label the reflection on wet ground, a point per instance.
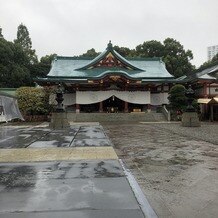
(53, 189)
(36, 137)
(66, 186)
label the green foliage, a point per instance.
(18, 62)
(13, 65)
(42, 68)
(34, 101)
(177, 60)
(210, 63)
(125, 52)
(177, 98)
(91, 53)
(150, 49)
(1, 35)
(24, 40)
(48, 59)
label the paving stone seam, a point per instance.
(70, 145)
(43, 135)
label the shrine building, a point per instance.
(110, 83)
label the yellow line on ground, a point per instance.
(55, 154)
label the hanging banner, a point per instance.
(159, 98)
(91, 97)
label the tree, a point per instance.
(47, 59)
(1, 36)
(151, 49)
(177, 60)
(42, 68)
(210, 63)
(177, 98)
(91, 53)
(125, 52)
(14, 70)
(24, 40)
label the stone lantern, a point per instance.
(59, 98)
(59, 117)
(190, 96)
(190, 117)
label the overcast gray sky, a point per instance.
(71, 27)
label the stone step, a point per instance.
(115, 117)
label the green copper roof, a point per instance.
(72, 68)
(207, 73)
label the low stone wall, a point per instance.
(110, 117)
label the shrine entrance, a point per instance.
(113, 105)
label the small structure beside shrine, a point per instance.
(205, 84)
(9, 108)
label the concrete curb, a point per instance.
(142, 200)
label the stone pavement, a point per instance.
(72, 173)
(176, 167)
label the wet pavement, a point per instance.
(82, 179)
(47, 188)
(36, 137)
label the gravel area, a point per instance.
(175, 166)
(207, 132)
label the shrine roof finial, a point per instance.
(109, 45)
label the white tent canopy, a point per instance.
(10, 108)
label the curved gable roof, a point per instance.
(109, 51)
(76, 68)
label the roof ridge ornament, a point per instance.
(109, 45)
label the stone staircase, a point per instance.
(116, 117)
(158, 117)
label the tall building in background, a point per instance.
(212, 51)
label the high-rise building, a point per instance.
(212, 51)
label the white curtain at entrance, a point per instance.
(159, 98)
(91, 97)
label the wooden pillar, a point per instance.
(211, 113)
(149, 105)
(101, 102)
(205, 90)
(126, 105)
(77, 108)
(101, 106)
(77, 105)
(126, 108)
